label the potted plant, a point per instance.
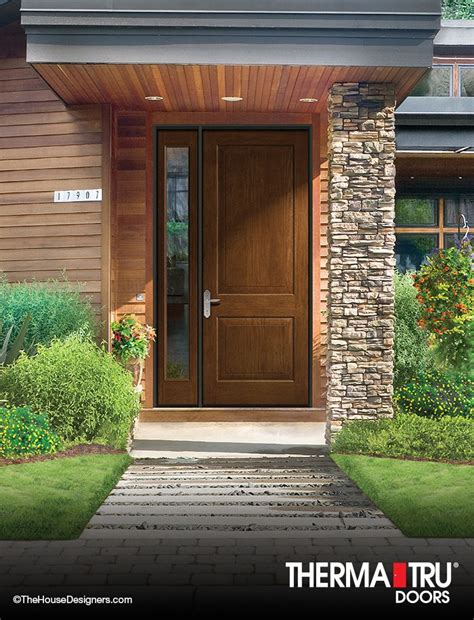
(131, 343)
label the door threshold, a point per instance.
(233, 414)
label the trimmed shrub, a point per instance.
(23, 433)
(57, 309)
(435, 395)
(87, 395)
(448, 438)
(411, 343)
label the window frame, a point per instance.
(441, 229)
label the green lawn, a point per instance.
(421, 498)
(55, 499)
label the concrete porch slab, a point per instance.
(226, 439)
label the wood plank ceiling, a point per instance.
(200, 88)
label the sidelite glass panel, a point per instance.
(416, 212)
(453, 209)
(466, 79)
(436, 83)
(177, 262)
(411, 250)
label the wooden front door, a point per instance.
(255, 262)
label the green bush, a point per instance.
(23, 433)
(57, 310)
(435, 395)
(86, 393)
(445, 286)
(411, 343)
(448, 438)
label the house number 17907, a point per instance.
(78, 195)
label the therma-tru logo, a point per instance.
(413, 582)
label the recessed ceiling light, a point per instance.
(412, 177)
(308, 100)
(232, 99)
(459, 177)
(154, 98)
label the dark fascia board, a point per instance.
(414, 15)
(62, 8)
(450, 139)
(351, 33)
(455, 38)
(238, 48)
(438, 110)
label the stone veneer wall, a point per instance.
(361, 152)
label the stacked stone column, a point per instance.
(361, 151)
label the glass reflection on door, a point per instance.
(177, 262)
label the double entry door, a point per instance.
(232, 268)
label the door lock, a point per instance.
(208, 302)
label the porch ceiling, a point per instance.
(200, 88)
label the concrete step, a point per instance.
(227, 439)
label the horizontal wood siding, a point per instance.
(46, 146)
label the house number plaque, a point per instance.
(78, 195)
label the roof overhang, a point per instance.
(436, 125)
(455, 38)
(347, 35)
(457, 140)
(351, 33)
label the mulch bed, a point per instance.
(80, 450)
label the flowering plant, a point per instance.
(131, 339)
(445, 290)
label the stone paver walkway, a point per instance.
(248, 497)
(191, 526)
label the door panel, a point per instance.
(256, 219)
(255, 261)
(243, 350)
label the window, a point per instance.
(466, 81)
(436, 83)
(412, 249)
(424, 224)
(455, 208)
(177, 263)
(416, 212)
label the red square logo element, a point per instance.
(399, 574)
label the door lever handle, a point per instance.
(208, 302)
